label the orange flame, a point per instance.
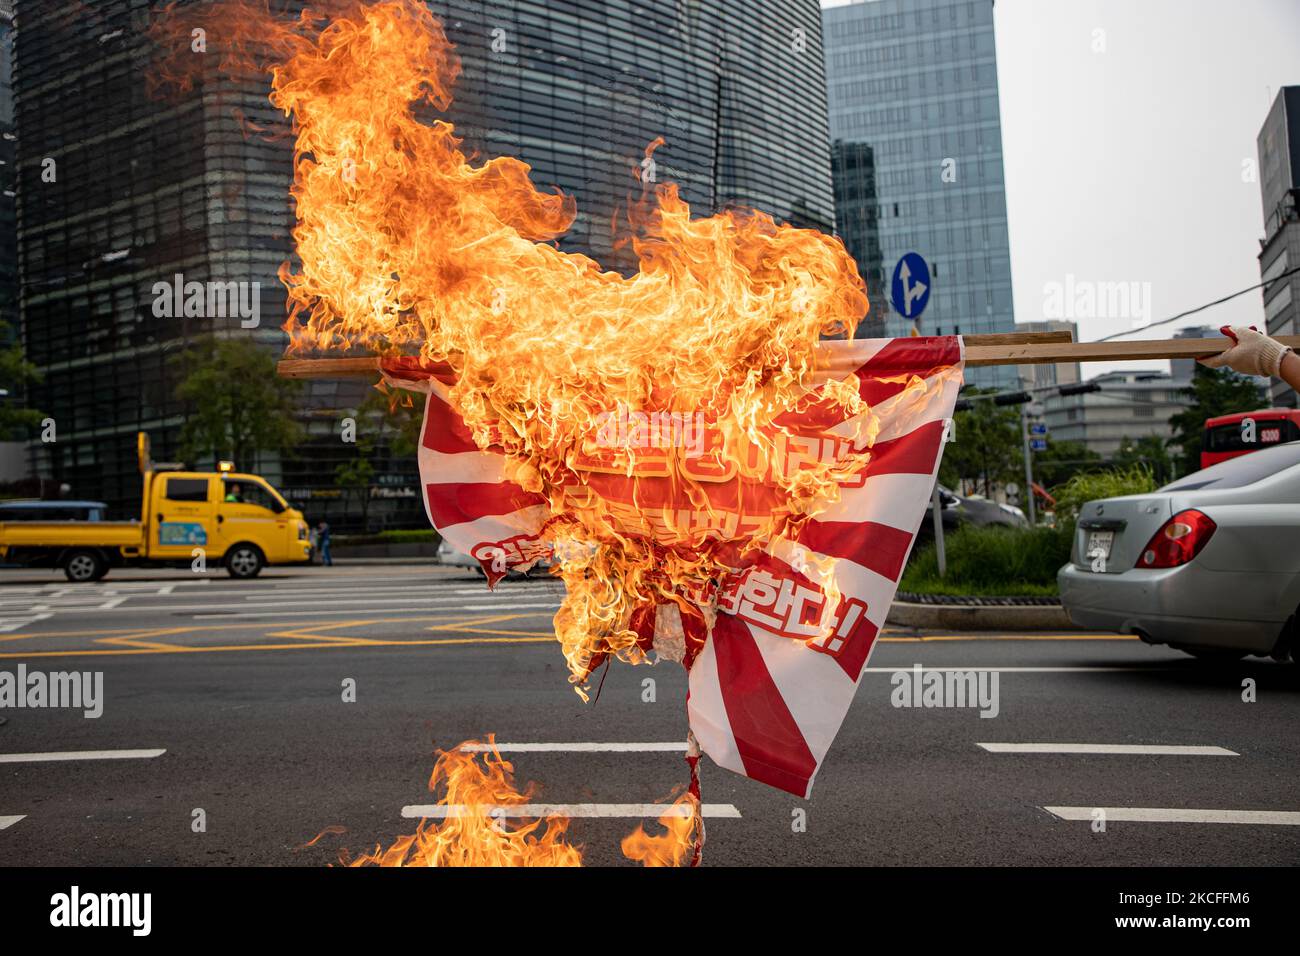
(405, 245)
(476, 832)
(683, 825)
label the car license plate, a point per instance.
(1099, 543)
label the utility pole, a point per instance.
(937, 507)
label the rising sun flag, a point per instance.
(670, 444)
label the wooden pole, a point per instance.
(1015, 348)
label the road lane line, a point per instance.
(10, 624)
(536, 810)
(81, 755)
(7, 822)
(1175, 750)
(1289, 818)
(424, 609)
(658, 746)
(1104, 669)
(451, 603)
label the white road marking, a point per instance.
(908, 668)
(504, 606)
(10, 624)
(1167, 815)
(6, 822)
(325, 598)
(380, 611)
(658, 746)
(538, 588)
(572, 810)
(80, 755)
(1192, 750)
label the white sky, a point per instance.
(1126, 165)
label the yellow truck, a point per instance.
(186, 518)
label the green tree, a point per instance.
(986, 446)
(393, 420)
(239, 406)
(387, 421)
(1062, 461)
(1213, 392)
(355, 476)
(1151, 451)
(16, 373)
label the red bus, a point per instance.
(1229, 436)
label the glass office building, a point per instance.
(8, 184)
(146, 188)
(913, 96)
(1279, 250)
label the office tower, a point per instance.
(917, 147)
(121, 190)
(1279, 186)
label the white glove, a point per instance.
(1253, 354)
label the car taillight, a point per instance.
(1180, 539)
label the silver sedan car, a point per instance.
(1209, 564)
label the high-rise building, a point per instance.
(1279, 186)
(917, 146)
(1060, 373)
(1128, 406)
(8, 184)
(120, 191)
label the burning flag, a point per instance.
(711, 488)
(776, 643)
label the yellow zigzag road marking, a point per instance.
(308, 636)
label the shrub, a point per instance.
(1111, 483)
(991, 561)
(1013, 561)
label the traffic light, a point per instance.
(1079, 389)
(1013, 398)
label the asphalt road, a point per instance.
(239, 684)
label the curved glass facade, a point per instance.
(149, 188)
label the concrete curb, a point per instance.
(966, 617)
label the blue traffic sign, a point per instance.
(909, 290)
(1038, 444)
(1037, 428)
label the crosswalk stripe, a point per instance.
(1151, 749)
(7, 822)
(572, 810)
(67, 755)
(658, 746)
(1177, 815)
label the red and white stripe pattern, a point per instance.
(771, 681)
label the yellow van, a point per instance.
(186, 517)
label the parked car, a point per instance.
(450, 556)
(958, 510)
(1209, 564)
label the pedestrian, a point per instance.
(323, 536)
(1254, 353)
